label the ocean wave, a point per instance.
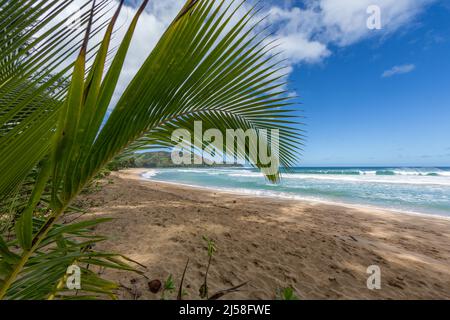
(246, 174)
(404, 191)
(415, 172)
(335, 172)
(432, 172)
(384, 176)
(368, 178)
(314, 199)
(394, 179)
(421, 172)
(149, 174)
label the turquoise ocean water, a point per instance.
(416, 190)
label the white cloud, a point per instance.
(395, 70)
(309, 33)
(306, 35)
(300, 49)
(152, 24)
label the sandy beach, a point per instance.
(320, 250)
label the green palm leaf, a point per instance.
(35, 60)
(207, 66)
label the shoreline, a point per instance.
(140, 172)
(322, 251)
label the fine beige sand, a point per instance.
(320, 250)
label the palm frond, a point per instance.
(207, 66)
(35, 63)
(44, 275)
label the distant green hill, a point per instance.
(162, 159)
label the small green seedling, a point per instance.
(211, 248)
(168, 288)
(288, 294)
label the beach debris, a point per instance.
(222, 293)
(168, 287)
(180, 291)
(203, 291)
(133, 291)
(136, 293)
(154, 286)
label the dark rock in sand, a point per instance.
(154, 286)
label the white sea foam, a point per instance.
(149, 174)
(370, 177)
(407, 192)
(415, 180)
(288, 196)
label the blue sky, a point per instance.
(370, 97)
(357, 117)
